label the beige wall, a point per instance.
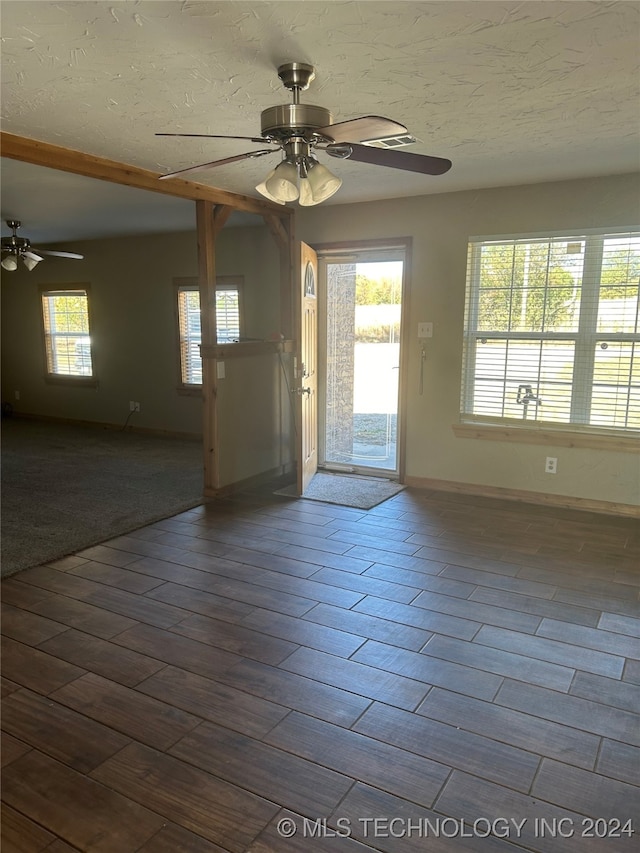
(440, 226)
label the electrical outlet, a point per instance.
(551, 465)
(136, 407)
(16, 395)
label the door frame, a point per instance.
(306, 366)
(327, 251)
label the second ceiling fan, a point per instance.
(299, 130)
(14, 248)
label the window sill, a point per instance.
(71, 381)
(545, 435)
(190, 390)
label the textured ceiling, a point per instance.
(511, 92)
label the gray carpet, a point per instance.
(347, 490)
(67, 487)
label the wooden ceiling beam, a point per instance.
(91, 166)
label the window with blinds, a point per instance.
(189, 322)
(551, 331)
(190, 336)
(67, 340)
(227, 314)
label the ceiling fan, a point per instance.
(15, 247)
(299, 130)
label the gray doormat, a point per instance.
(346, 490)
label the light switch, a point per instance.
(425, 330)
(220, 369)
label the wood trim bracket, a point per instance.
(278, 230)
(221, 212)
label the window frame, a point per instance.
(50, 376)
(585, 338)
(190, 284)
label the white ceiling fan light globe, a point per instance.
(30, 263)
(306, 194)
(9, 263)
(262, 189)
(283, 183)
(323, 183)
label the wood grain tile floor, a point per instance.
(263, 675)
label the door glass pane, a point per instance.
(363, 360)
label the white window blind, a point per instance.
(227, 314)
(190, 329)
(66, 332)
(551, 331)
(190, 336)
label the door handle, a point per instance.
(302, 391)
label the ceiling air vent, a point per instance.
(391, 141)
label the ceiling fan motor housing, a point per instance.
(15, 245)
(288, 120)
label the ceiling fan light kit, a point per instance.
(15, 247)
(303, 179)
(298, 130)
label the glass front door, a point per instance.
(361, 389)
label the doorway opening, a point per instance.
(359, 421)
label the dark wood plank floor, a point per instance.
(439, 673)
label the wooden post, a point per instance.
(282, 232)
(281, 229)
(207, 282)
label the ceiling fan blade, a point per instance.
(362, 129)
(215, 136)
(390, 157)
(57, 254)
(32, 255)
(233, 159)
